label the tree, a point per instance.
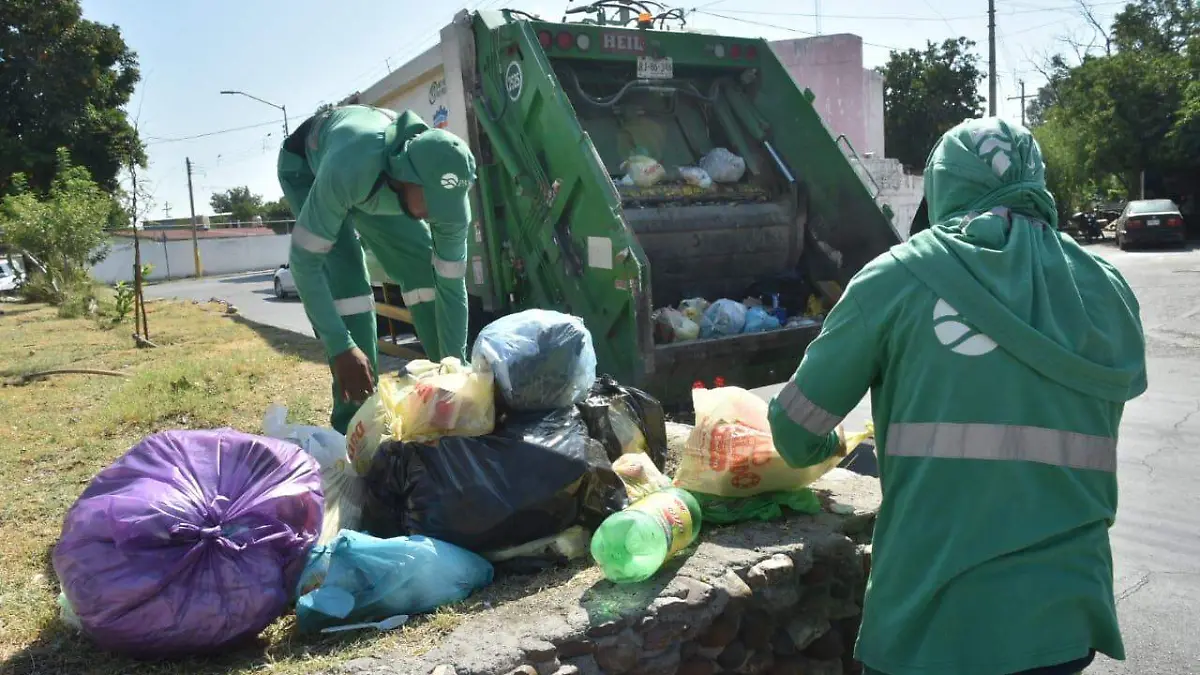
(926, 93)
(277, 210)
(61, 233)
(63, 81)
(240, 202)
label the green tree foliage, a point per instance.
(927, 92)
(63, 82)
(62, 232)
(1134, 108)
(240, 202)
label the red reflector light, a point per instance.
(719, 382)
(697, 385)
(736, 51)
(564, 40)
(545, 39)
(751, 52)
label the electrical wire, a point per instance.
(787, 28)
(152, 140)
(877, 17)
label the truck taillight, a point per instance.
(545, 39)
(564, 40)
(735, 51)
(751, 52)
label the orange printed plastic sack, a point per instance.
(730, 453)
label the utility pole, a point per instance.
(192, 205)
(167, 210)
(992, 58)
(1022, 98)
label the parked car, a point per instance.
(284, 284)
(9, 279)
(1150, 221)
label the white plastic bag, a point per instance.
(644, 171)
(670, 325)
(723, 166)
(723, 317)
(345, 491)
(730, 452)
(694, 175)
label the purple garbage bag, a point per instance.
(191, 541)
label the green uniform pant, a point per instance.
(405, 253)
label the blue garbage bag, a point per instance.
(723, 317)
(759, 320)
(359, 578)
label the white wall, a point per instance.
(899, 190)
(873, 100)
(174, 259)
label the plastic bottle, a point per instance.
(631, 545)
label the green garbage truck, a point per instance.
(554, 112)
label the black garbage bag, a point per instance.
(535, 476)
(620, 417)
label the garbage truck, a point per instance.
(555, 110)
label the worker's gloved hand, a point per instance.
(353, 371)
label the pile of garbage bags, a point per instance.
(717, 166)
(697, 318)
(197, 540)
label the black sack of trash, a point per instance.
(535, 476)
(625, 419)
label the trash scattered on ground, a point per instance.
(344, 490)
(542, 554)
(640, 476)
(730, 453)
(185, 527)
(542, 360)
(694, 175)
(358, 578)
(390, 623)
(723, 166)
(723, 317)
(511, 487)
(670, 325)
(626, 420)
(765, 507)
(632, 545)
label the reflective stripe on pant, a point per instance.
(405, 255)
(346, 274)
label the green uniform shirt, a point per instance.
(350, 150)
(999, 356)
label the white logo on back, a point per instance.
(450, 181)
(953, 332)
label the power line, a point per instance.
(787, 28)
(897, 17)
(156, 141)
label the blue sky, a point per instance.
(301, 53)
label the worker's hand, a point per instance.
(353, 371)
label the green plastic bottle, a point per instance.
(631, 545)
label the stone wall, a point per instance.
(777, 598)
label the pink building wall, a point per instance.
(848, 97)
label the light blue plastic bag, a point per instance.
(759, 320)
(357, 578)
(723, 317)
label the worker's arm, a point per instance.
(450, 286)
(316, 231)
(834, 375)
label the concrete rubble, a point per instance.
(776, 598)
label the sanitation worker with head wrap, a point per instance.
(999, 356)
(359, 176)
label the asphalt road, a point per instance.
(1157, 535)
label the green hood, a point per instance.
(994, 254)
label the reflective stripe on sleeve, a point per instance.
(449, 270)
(812, 417)
(1003, 442)
(309, 241)
(418, 295)
(356, 305)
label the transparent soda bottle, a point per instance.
(631, 545)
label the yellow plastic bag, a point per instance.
(373, 423)
(448, 399)
(639, 475)
(730, 453)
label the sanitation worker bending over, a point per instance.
(361, 176)
(999, 356)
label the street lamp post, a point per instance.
(281, 108)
